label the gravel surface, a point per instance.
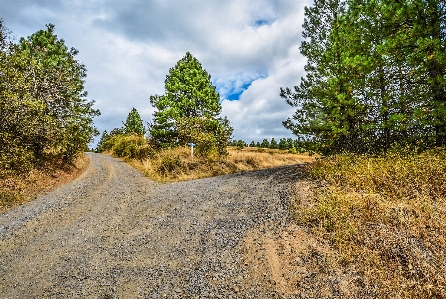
(113, 233)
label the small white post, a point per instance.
(192, 149)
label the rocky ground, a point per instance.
(113, 233)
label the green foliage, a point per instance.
(42, 101)
(273, 144)
(252, 144)
(170, 165)
(292, 150)
(265, 143)
(108, 140)
(283, 144)
(130, 146)
(101, 144)
(189, 94)
(211, 135)
(134, 124)
(240, 144)
(376, 75)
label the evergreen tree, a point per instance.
(108, 140)
(134, 123)
(57, 83)
(101, 144)
(240, 144)
(325, 108)
(283, 144)
(189, 94)
(273, 144)
(428, 40)
(252, 144)
(290, 143)
(375, 76)
(42, 99)
(265, 143)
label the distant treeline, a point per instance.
(375, 76)
(44, 111)
(295, 145)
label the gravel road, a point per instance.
(113, 233)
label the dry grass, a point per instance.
(385, 218)
(16, 190)
(178, 165)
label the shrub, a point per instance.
(292, 150)
(170, 164)
(210, 135)
(130, 146)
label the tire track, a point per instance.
(113, 233)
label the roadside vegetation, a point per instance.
(46, 119)
(187, 114)
(177, 164)
(373, 102)
(21, 188)
(384, 218)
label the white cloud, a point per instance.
(129, 46)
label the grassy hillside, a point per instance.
(20, 188)
(385, 220)
(177, 164)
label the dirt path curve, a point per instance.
(113, 233)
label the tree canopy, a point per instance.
(190, 103)
(134, 123)
(42, 100)
(375, 76)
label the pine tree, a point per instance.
(326, 110)
(265, 143)
(376, 75)
(134, 124)
(43, 104)
(283, 144)
(273, 144)
(189, 94)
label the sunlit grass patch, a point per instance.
(385, 216)
(20, 188)
(177, 164)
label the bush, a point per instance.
(210, 135)
(130, 146)
(292, 150)
(14, 158)
(170, 165)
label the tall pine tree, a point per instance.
(376, 75)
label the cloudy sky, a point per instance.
(249, 47)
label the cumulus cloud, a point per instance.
(250, 48)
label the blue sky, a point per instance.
(249, 47)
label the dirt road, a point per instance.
(113, 233)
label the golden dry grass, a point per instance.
(18, 189)
(178, 165)
(385, 218)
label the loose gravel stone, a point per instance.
(113, 233)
